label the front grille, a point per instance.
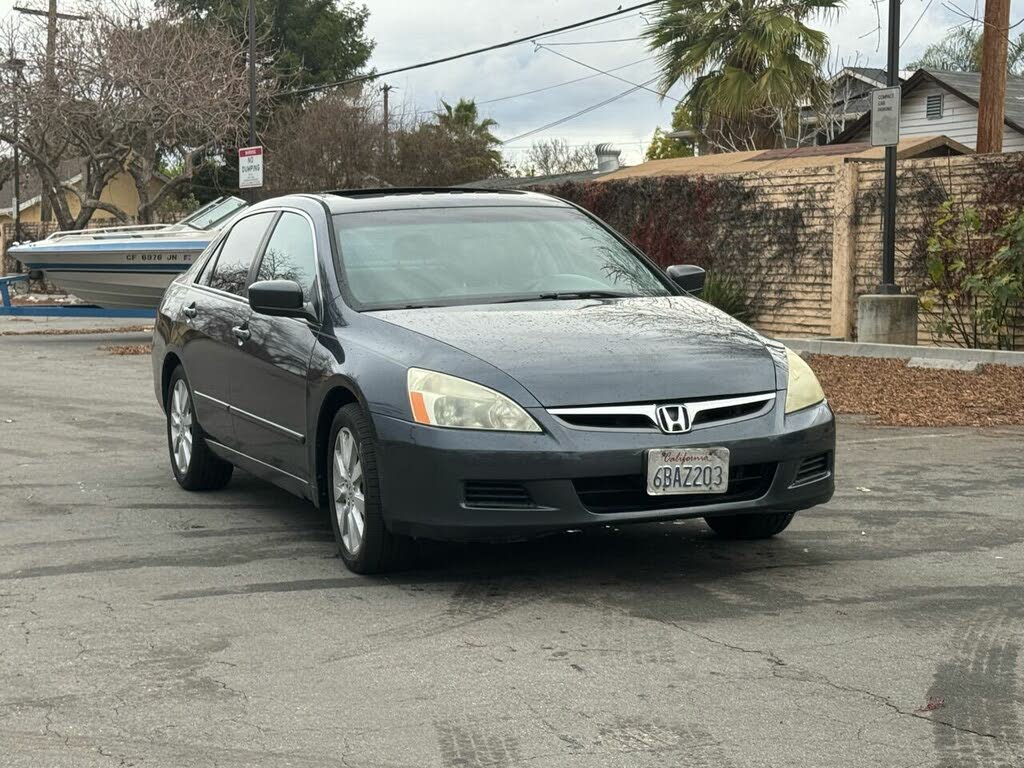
(813, 469)
(713, 415)
(630, 421)
(643, 417)
(628, 493)
(488, 494)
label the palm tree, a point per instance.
(464, 120)
(753, 63)
(960, 51)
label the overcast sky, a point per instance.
(409, 31)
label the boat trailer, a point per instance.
(7, 308)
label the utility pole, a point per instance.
(386, 90)
(50, 66)
(16, 65)
(992, 99)
(888, 284)
(52, 17)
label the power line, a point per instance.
(600, 42)
(663, 95)
(496, 46)
(567, 82)
(545, 88)
(914, 26)
(581, 112)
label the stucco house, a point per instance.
(936, 103)
(120, 191)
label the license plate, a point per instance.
(672, 471)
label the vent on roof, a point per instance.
(933, 107)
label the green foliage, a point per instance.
(312, 41)
(729, 294)
(975, 277)
(662, 147)
(960, 51)
(749, 60)
(455, 148)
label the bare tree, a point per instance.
(133, 93)
(554, 156)
(336, 141)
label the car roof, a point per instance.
(355, 200)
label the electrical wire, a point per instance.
(581, 112)
(454, 57)
(663, 95)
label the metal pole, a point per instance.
(252, 73)
(888, 284)
(17, 169)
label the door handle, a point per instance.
(241, 333)
(190, 311)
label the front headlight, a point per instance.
(803, 389)
(446, 401)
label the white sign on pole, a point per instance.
(885, 117)
(250, 167)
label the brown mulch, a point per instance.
(128, 349)
(896, 395)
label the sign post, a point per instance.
(250, 167)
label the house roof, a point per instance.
(872, 74)
(71, 171)
(966, 85)
(761, 160)
(30, 185)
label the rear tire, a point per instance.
(364, 542)
(195, 466)
(761, 525)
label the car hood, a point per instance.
(591, 352)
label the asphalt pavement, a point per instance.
(144, 625)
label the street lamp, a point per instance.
(16, 65)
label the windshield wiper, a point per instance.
(559, 295)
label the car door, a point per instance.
(215, 312)
(270, 385)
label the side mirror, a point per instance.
(688, 277)
(277, 298)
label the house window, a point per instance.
(933, 107)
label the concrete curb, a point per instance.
(904, 352)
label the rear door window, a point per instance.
(231, 272)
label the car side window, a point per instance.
(290, 254)
(203, 278)
(231, 271)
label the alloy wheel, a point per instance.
(349, 497)
(181, 426)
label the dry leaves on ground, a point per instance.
(128, 349)
(921, 397)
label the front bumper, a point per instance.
(425, 470)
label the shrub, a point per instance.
(975, 278)
(729, 294)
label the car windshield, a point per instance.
(214, 213)
(472, 255)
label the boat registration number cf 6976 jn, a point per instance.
(687, 470)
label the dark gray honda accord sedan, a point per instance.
(462, 364)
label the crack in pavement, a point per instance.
(819, 679)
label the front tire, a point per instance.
(364, 542)
(194, 465)
(762, 525)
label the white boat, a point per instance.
(126, 267)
